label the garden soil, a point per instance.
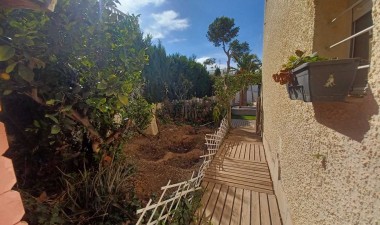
(173, 155)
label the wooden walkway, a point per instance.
(238, 186)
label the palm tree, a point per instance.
(247, 63)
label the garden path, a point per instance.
(238, 186)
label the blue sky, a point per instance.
(181, 25)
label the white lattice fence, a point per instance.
(172, 194)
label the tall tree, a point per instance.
(247, 64)
(222, 32)
(174, 76)
(80, 65)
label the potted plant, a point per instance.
(314, 78)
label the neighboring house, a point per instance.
(251, 95)
(324, 157)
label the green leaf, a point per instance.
(102, 101)
(25, 73)
(7, 92)
(67, 108)
(123, 99)
(11, 67)
(50, 102)
(55, 129)
(101, 86)
(36, 123)
(6, 52)
(52, 118)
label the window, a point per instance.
(361, 45)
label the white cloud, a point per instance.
(202, 59)
(165, 22)
(133, 6)
(213, 67)
(176, 40)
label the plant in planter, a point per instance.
(314, 78)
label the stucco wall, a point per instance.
(342, 185)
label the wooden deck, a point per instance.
(238, 186)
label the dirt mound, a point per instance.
(171, 155)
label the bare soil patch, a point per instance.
(171, 155)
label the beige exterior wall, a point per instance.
(343, 185)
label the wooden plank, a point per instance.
(240, 162)
(264, 209)
(227, 211)
(208, 187)
(253, 154)
(257, 153)
(249, 152)
(241, 153)
(236, 209)
(260, 185)
(243, 180)
(11, 208)
(240, 171)
(255, 208)
(246, 208)
(218, 160)
(237, 152)
(7, 175)
(262, 154)
(259, 174)
(219, 205)
(243, 150)
(274, 212)
(232, 150)
(207, 215)
(239, 185)
(246, 154)
(246, 176)
(235, 164)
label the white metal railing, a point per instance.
(368, 29)
(166, 206)
(346, 10)
(363, 67)
(353, 36)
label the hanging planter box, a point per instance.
(323, 81)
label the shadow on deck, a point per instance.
(238, 186)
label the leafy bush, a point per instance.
(81, 64)
(42, 211)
